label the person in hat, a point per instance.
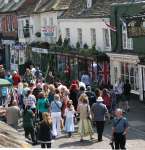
(99, 111)
(91, 96)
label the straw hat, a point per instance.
(100, 99)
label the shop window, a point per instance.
(130, 72)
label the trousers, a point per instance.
(43, 145)
(100, 129)
(56, 118)
(120, 140)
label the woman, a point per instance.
(74, 89)
(85, 127)
(42, 105)
(56, 115)
(51, 93)
(107, 99)
(45, 131)
(46, 90)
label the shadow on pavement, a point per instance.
(77, 143)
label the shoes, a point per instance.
(81, 140)
(54, 137)
(100, 140)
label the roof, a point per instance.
(100, 8)
(11, 6)
(52, 5)
(27, 7)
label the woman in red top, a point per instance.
(107, 99)
(16, 79)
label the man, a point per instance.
(119, 130)
(28, 76)
(118, 88)
(99, 111)
(91, 96)
(86, 79)
(13, 114)
(126, 93)
(28, 124)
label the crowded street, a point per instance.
(72, 74)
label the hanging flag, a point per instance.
(111, 27)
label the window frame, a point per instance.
(127, 43)
(80, 36)
(93, 36)
(106, 39)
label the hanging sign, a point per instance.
(135, 26)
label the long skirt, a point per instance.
(85, 128)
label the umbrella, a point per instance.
(4, 82)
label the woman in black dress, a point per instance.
(45, 131)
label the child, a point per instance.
(45, 132)
(69, 122)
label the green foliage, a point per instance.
(66, 43)
(86, 46)
(59, 42)
(78, 45)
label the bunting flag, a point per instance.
(111, 27)
(103, 73)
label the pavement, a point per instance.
(135, 138)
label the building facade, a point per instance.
(127, 51)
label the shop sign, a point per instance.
(135, 26)
(39, 50)
(49, 31)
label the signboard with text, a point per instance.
(49, 31)
(135, 26)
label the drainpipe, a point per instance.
(116, 25)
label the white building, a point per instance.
(43, 22)
(90, 31)
(87, 24)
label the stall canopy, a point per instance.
(4, 82)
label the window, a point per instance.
(80, 36)
(67, 33)
(89, 3)
(93, 36)
(127, 42)
(106, 38)
(130, 72)
(51, 21)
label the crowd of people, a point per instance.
(48, 108)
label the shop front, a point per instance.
(128, 67)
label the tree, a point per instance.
(78, 45)
(59, 42)
(86, 46)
